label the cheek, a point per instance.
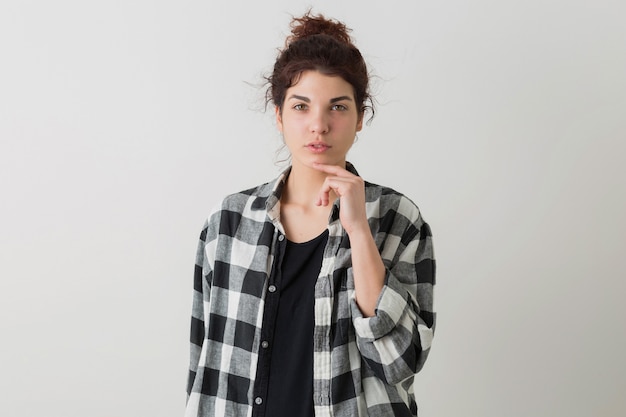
(348, 125)
(293, 124)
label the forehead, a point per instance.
(314, 84)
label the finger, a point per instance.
(324, 195)
(332, 169)
(334, 183)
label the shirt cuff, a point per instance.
(390, 308)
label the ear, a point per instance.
(359, 122)
(279, 118)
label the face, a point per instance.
(319, 119)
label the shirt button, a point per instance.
(264, 344)
(258, 400)
(281, 237)
(272, 288)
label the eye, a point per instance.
(299, 107)
(339, 107)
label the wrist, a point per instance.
(360, 231)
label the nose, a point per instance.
(319, 122)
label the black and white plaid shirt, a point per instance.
(362, 366)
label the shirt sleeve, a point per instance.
(395, 342)
(201, 273)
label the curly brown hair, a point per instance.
(323, 45)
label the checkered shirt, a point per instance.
(362, 366)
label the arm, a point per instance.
(367, 264)
(393, 286)
(395, 342)
(368, 271)
(197, 311)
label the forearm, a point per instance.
(368, 270)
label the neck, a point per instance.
(303, 186)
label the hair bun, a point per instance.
(309, 25)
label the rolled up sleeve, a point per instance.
(395, 342)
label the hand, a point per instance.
(367, 264)
(350, 189)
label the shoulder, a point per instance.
(245, 200)
(232, 208)
(391, 213)
(382, 201)
(387, 199)
(240, 200)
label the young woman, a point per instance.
(312, 293)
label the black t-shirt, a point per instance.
(290, 390)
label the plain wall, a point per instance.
(123, 123)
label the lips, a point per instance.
(317, 147)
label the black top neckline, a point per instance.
(312, 241)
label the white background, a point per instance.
(123, 122)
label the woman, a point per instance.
(312, 293)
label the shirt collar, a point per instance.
(269, 195)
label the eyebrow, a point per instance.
(308, 100)
(336, 99)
